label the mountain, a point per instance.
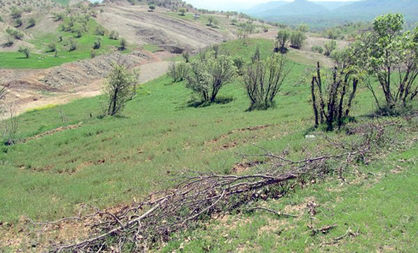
(369, 9)
(333, 5)
(323, 14)
(295, 8)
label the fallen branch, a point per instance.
(273, 212)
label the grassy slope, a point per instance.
(42, 59)
(113, 160)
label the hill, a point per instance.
(325, 14)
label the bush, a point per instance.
(330, 46)
(264, 79)
(15, 33)
(239, 64)
(25, 51)
(178, 71)
(122, 44)
(100, 31)
(17, 22)
(282, 38)
(182, 11)
(72, 45)
(114, 35)
(92, 53)
(58, 17)
(208, 74)
(120, 89)
(97, 44)
(317, 49)
(151, 8)
(51, 47)
(15, 13)
(31, 23)
(296, 39)
(1, 19)
(9, 42)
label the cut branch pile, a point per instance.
(140, 226)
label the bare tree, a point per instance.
(264, 79)
(333, 106)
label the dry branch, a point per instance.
(142, 225)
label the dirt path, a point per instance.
(28, 100)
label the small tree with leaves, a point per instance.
(263, 81)
(209, 73)
(25, 51)
(182, 11)
(330, 46)
(296, 39)
(283, 37)
(120, 88)
(178, 71)
(122, 44)
(391, 56)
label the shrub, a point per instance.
(239, 65)
(25, 51)
(31, 23)
(100, 31)
(120, 88)
(182, 11)
(97, 44)
(113, 35)
(317, 49)
(208, 74)
(15, 33)
(15, 13)
(9, 42)
(17, 22)
(263, 80)
(296, 39)
(1, 19)
(122, 44)
(330, 46)
(51, 47)
(72, 45)
(92, 53)
(332, 103)
(151, 8)
(282, 38)
(58, 17)
(178, 71)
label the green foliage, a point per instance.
(120, 88)
(15, 33)
(151, 8)
(52, 47)
(15, 13)
(209, 73)
(113, 35)
(317, 49)
(17, 22)
(72, 45)
(283, 37)
(388, 50)
(100, 31)
(182, 11)
(122, 44)
(178, 71)
(97, 43)
(31, 23)
(330, 46)
(297, 39)
(25, 51)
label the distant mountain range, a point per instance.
(327, 13)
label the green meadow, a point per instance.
(161, 137)
(40, 58)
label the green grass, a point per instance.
(152, 48)
(41, 59)
(380, 207)
(110, 161)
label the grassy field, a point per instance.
(106, 162)
(40, 58)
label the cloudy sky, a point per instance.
(235, 4)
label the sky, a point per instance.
(236, 4)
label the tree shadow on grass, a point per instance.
(199, 103)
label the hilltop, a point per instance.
(325, 14)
